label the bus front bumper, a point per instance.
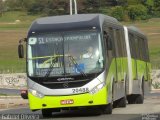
(80, 100)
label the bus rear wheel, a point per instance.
(131, 99)
(137, 98)
(121, 102)
(140, 97)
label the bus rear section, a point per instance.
(139, 67)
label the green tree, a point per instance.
(49, 7)
(1, 8)
(12, 5)
(137, 12)
(24, 4)
(117, 12)
(122, 2)
(133, 2)
(37, 7)
(150, 5)
(157, 5)
(91, 6)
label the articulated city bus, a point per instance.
(85, 60)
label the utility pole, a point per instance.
(75, 7)
(71, 6)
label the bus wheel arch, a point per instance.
(107, 109)
(142, 85)
(122, 101)
(140, 97)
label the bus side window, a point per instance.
(109, 48)
(119, 43)
(144, 49)
(142, 46)
(108, 41)
(147, 52)
(132, 46)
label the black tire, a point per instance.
(122, 102)
(115, 104)
(131, 99)
(46, 113)
(140, 98)
(107, 109)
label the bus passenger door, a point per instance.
(112, 55)
(119, 54)
(109, 48)
(111, 59)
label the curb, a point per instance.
(155, 90)
(16, 88)
(13, 97)
(12, 109)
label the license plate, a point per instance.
(66, 102)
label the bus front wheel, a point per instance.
(107, 109)
(46, 113)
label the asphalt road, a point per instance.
(131, 112)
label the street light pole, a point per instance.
(75, 6)
(71, 7)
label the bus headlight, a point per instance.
(36, 93)
(97, 88)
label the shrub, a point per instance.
(118, 12)
(137, 12)
(105, 10)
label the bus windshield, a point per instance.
(67, 53)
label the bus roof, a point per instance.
(70, 22)
(135, 29)
(72, 18)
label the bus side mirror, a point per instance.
(20, 48)
(20, 51)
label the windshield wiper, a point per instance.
(76, 65)
(50, 69)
